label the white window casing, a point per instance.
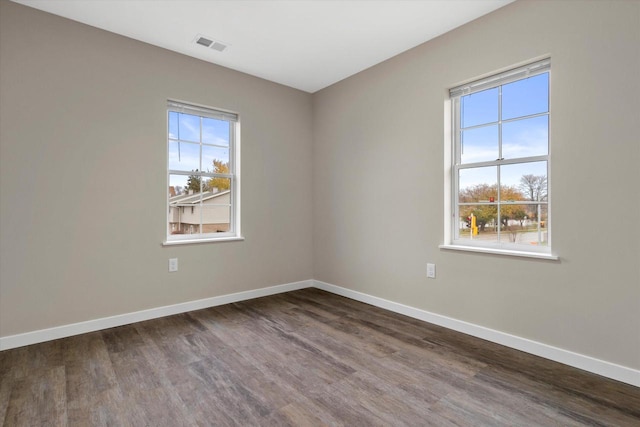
(203, 174)
(514, 222)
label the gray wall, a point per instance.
(83, 176)
(379, 137)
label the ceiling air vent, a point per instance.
(218, 46)
(210, 42)
(204, 41)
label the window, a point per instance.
(500, 162)
(202, 174)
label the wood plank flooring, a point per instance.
(303, 358)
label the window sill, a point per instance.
(196, 241)
(506, 252)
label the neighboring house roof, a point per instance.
(194, 199)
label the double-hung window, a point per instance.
(500, 162)
(202, 174)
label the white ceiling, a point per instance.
(305, 44)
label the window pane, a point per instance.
(182, 201)
(177, 185)
(217, 185)
(520, 225)
(478, 185)
(184, 156)
(525, 138)
(215, 132)
(216, 219)
(173, 124)
(525, 97)
(479, 144)
(524, 181)
(186, 217)
(485, 222)
(188, 127)
(190, 184)
(216, 211)
(215, 159)
(479, 108)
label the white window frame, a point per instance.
(453, 165)
(234, 232)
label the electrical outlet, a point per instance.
(173, 264)
(431, 271)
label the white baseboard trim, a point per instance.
(28, 338)
(580, 361)
(587, 363)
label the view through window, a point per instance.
(501, 160)
(202, 179)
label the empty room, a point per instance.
(317, 212)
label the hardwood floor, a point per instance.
(303, 358)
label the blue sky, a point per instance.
(520, 138)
